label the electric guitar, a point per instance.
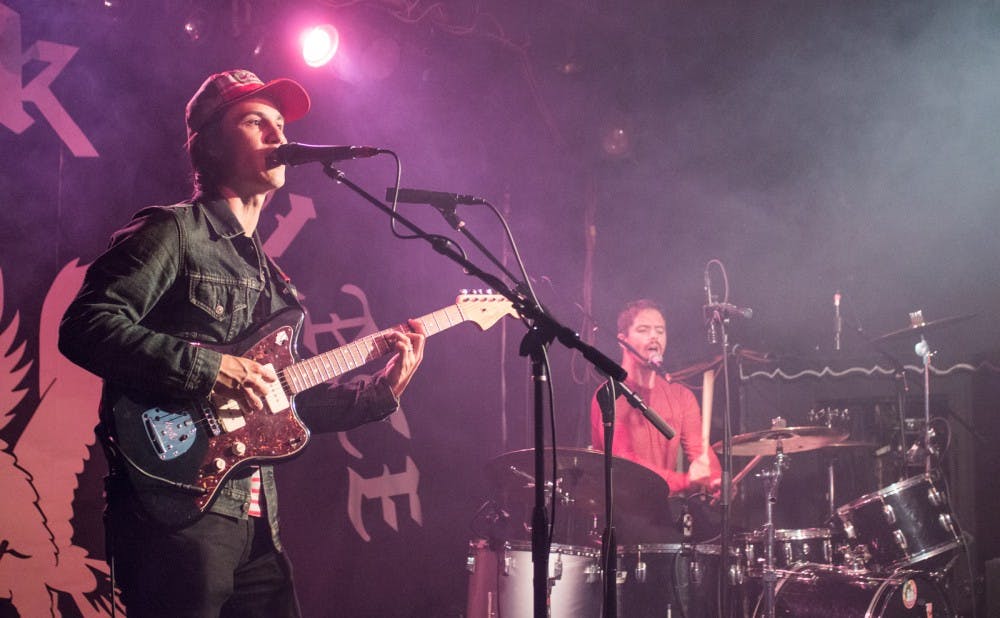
(178, 454)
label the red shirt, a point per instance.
(638, 440)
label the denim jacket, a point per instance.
(180, 274)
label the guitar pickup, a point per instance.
(276, 398)
(230, 416)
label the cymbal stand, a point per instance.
(831, 485)
(828, 416)
(923, 350)
(773, 478)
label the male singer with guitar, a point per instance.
(643, 331)
(191, 533)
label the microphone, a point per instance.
(297, 154)
(434, 198)
(838, 324)
(655, 360)
(713, 330)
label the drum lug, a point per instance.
(593, 573)
(948, 524)
(935, 497)
(890, 514)
(849, 529)
(508, 560)
(736, 575)
(697, 576)
(900, 539)
(557, 568)
(640, 571)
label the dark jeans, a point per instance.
(218, 567)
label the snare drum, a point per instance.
(653, 578)
(791, 547)
(905, 523)
(501, 581)
(819, 591)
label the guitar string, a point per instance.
(313, 371)
(316, 363)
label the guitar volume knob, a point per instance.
(239, 449)
(219, 464)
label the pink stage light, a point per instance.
(319, 44)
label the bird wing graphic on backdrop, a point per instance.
(41, 478)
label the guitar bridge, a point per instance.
(170, 433)
(211, 420)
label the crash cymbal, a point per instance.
(791, 440)
(580, 480)
(924, 327)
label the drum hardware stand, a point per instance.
(923, 350)
(773, 479)
(827, 416)
(902, 388)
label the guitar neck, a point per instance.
(326, 366)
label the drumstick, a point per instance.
(707, 391)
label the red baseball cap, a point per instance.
(221, 90)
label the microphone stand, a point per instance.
(448, 209)
(717, 325)
(543, 330)
(609, 542)
(606, 397)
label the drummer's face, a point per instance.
(648, 332)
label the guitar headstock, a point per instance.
(485, 309)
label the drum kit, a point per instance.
(883, 554)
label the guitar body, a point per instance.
(179, 453)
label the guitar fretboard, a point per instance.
(328, 365)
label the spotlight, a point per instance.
(616, 141)
(319, 44)
(195, 26)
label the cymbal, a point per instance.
(923, 328)
(850, 444)
(791, 439)
(580, 480)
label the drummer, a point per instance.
(642, 328)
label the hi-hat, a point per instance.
(788, 439)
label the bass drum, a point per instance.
(821, 591)
(501, 581)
